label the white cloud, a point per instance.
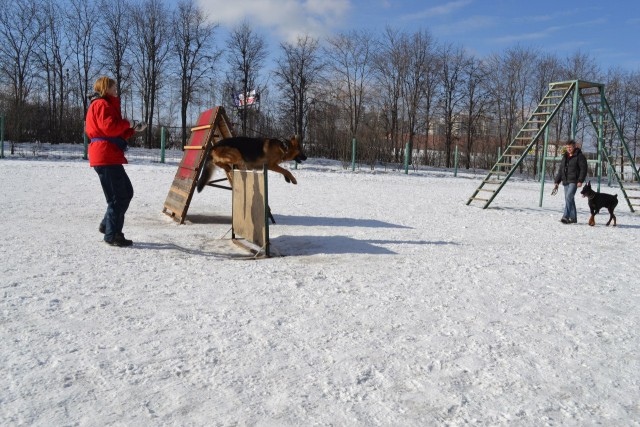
(444, 9)
(470, 24)
(286, 18)
(549, 31)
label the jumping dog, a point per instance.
(251, 153)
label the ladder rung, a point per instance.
(494, 182)
(203, 127)
(487, 189)
(516, 147)
(478, 198)
(547, 105)
(542, 113)
(512, 155)
(502, 164)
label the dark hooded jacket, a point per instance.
(572, 169)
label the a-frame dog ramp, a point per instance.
(212, 126)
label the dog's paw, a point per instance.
(287, 179)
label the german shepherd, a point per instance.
(598, 201)
(251, 153)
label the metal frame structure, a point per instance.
(609, 136)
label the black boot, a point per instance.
(120, 241)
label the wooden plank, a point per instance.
(203, 127)
(249, 206)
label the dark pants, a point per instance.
(118, 191)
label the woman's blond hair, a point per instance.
(102, 85)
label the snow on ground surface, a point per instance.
(395, 304)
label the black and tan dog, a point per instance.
(598, 201)
(251, 153)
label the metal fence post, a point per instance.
(163, 142)
(353, 154)
(2, 136)
(86, 141)
(455, 162)
(406, 158)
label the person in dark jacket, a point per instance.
(108, 132)
(572, 173)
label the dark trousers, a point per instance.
(118, 191)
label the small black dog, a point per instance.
(598, 201)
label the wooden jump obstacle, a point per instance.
(250, 211)
(213, 125)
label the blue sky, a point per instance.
(607, 30)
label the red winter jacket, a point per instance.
(105, 120)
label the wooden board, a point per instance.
(249, 208)
(213, 125)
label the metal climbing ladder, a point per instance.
(610, 140)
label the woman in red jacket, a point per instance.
(108, 132)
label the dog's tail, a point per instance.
(206, 173)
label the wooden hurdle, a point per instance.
(250, 212)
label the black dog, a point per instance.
(598, 201)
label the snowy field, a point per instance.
(394, 305)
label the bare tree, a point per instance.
(548, 70)
(578, 66)
(420, 54)
(81, 30)
(475, 104)
(192, 39)
(429, 91)
(495, 86)
(581, 66)
(634, 90)
(152, 41)
(350, 57)
(298, 72)
(114, 41)
(20, 31)
(53, 55)
(619, 95)
(389, 70)
(516, 72)
(453, 63)
(246, 54)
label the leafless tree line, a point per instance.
(394, 94)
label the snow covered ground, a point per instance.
(395, 304)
